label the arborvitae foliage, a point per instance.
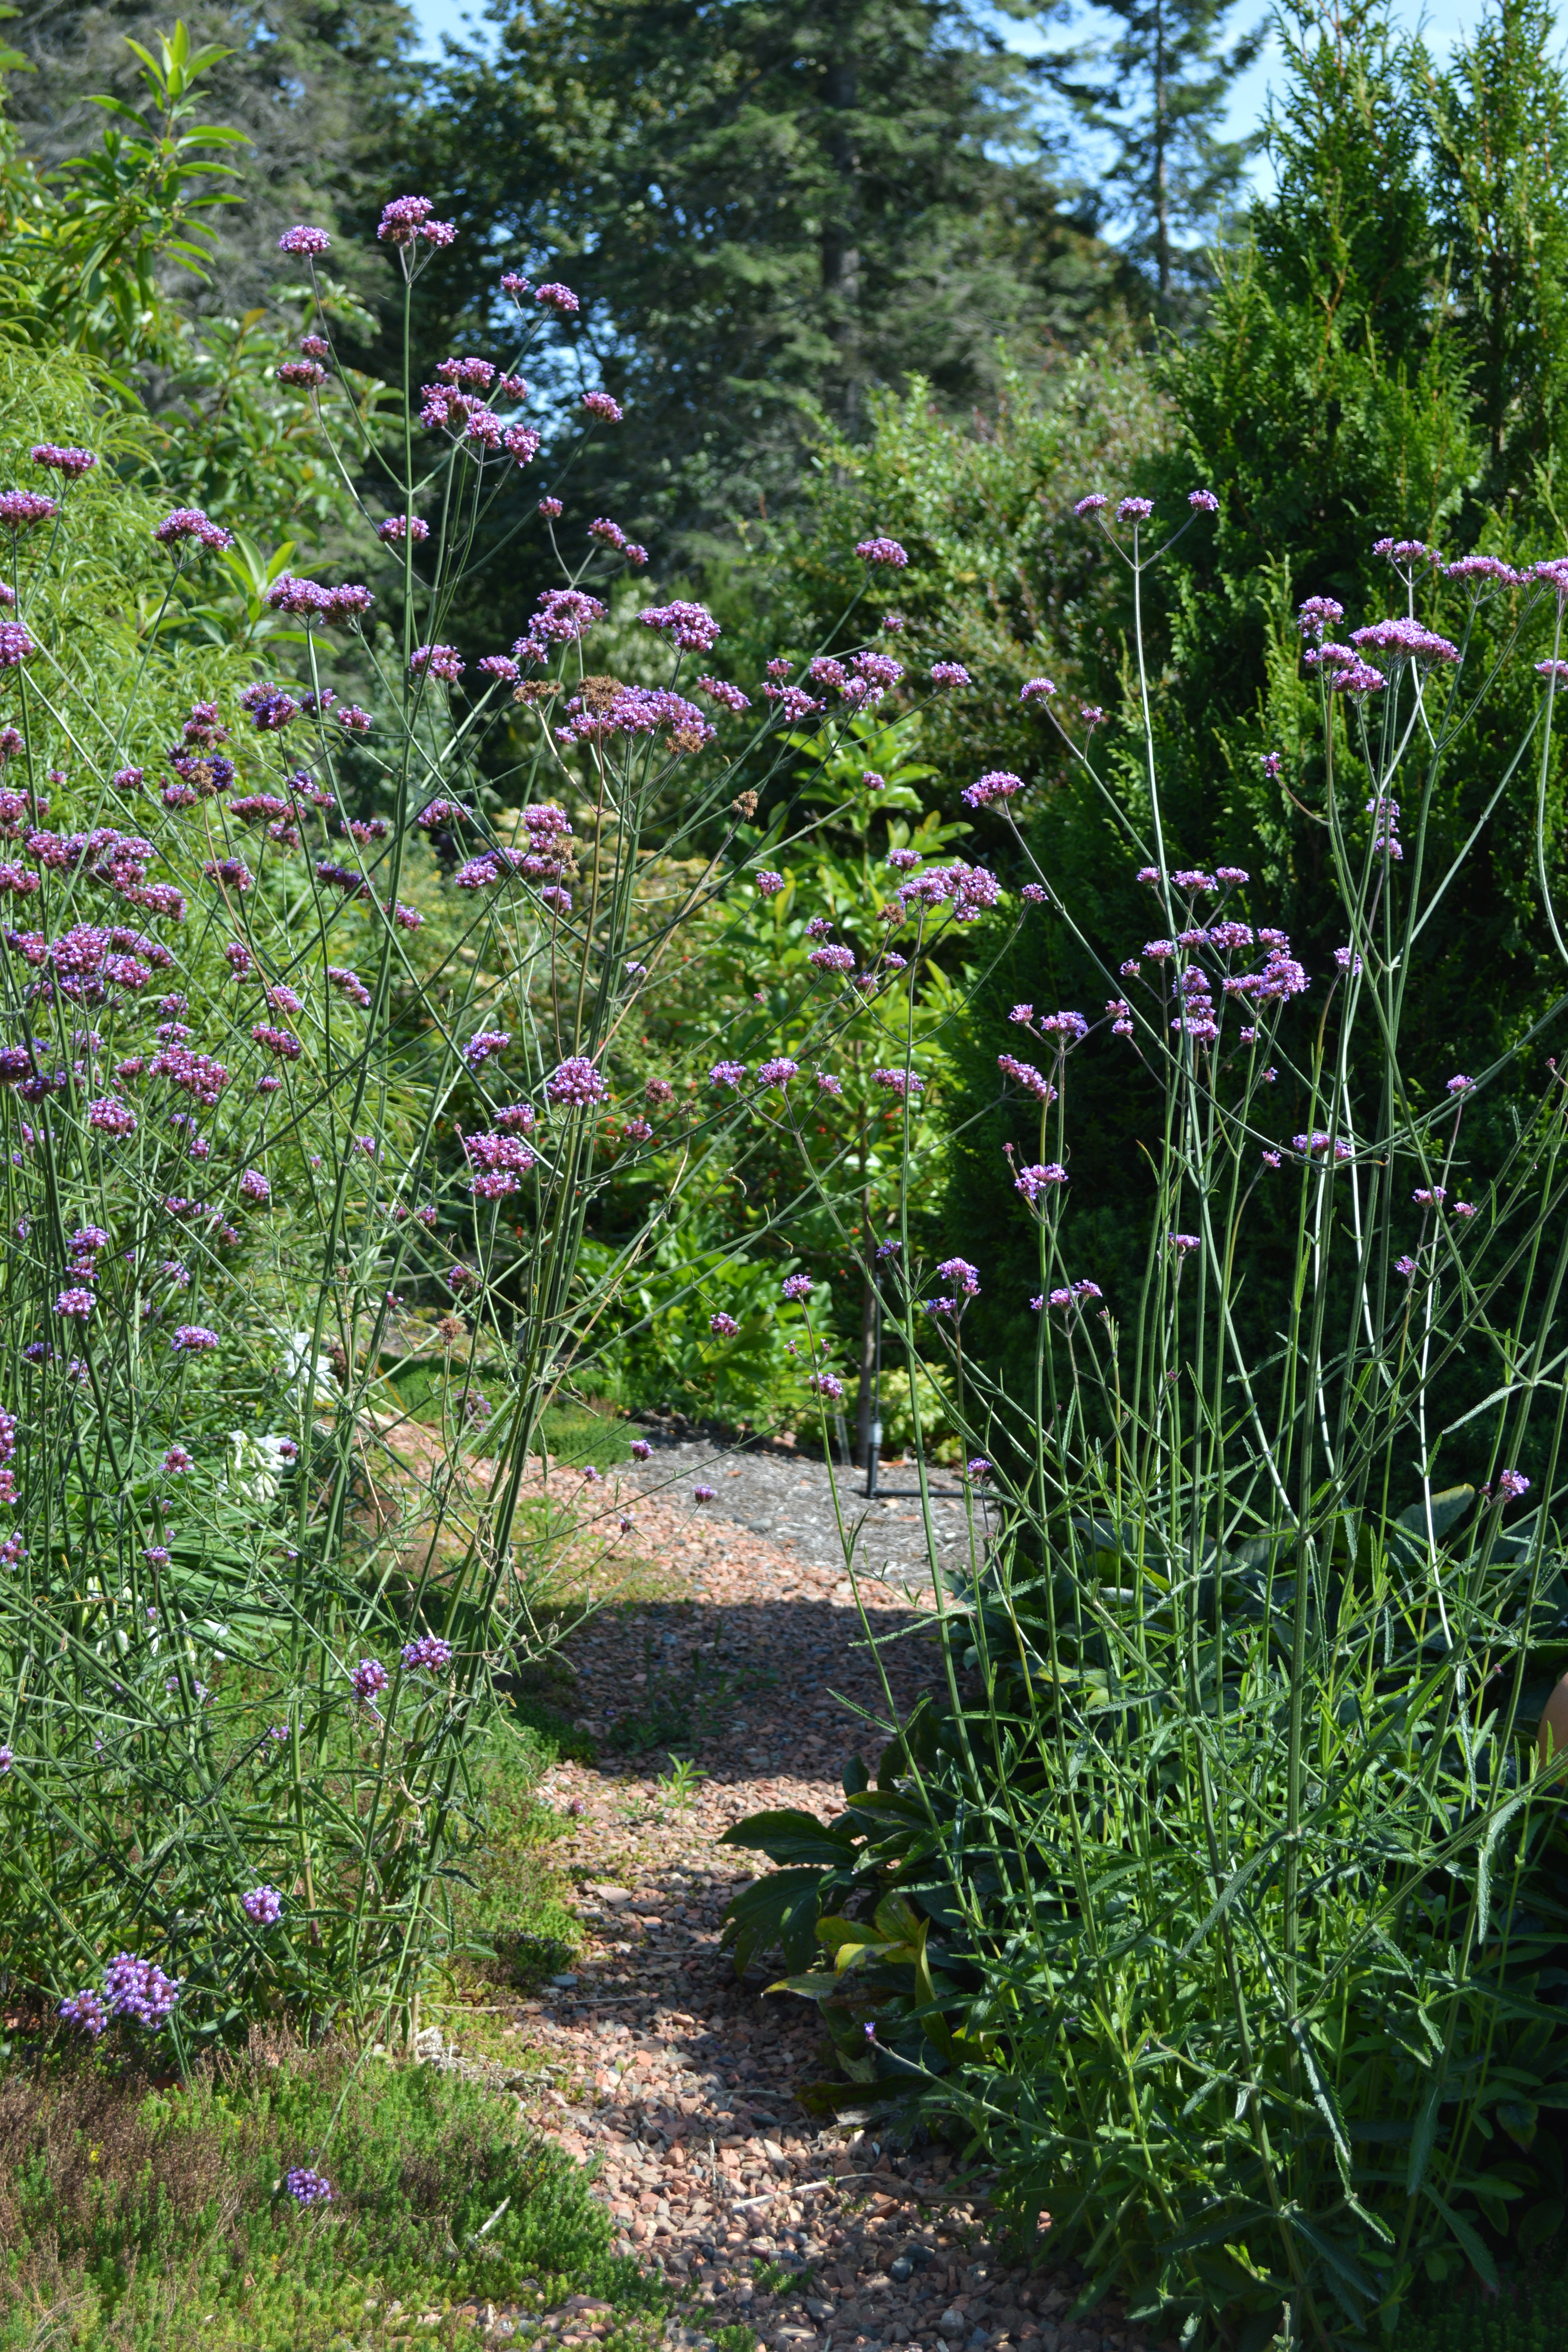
(1499, 139)
(766, 213)
(1324, 401)
(1172, 176)
(1330, 401)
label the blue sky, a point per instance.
(1444, 21)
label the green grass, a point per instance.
(142, 2218)
(512, 1925)
(138, 2219)
(573, 1434)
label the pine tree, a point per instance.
(767, 211)
(1173, 175)
(1500, 137)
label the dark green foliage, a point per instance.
(1500, 134)
(1329, 401)
(144, 2219)
(1529, 2314)
(766, 211)
(312, 84)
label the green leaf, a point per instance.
(1541, 2222)
(782, 1909)
(1472, 2245)
(791, 1836)
(1447, 1510)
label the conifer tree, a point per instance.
(1172, 176)
(1500, 138)
(766, 211)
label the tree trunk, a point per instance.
(1162, 165)
(840, 247)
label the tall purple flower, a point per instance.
(576, 1084)
(369, 1679)
(188, 523)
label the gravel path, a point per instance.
(789, 1496)
(649, 2057)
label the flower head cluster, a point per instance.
(186, 523)
(194, 1339)
(1025, 1075)
(1073, 1295)
(1403, 639)
(564, 616)
(576, 1084)
(1038, 1182)
(963, 1276)
(307, 2187)
(21, 510)
(308, 600)
(71, 463)
(633, 711)
(263, 1906)
(303, 239)
(85, 2009)
(486, 1043)
(1385, 814)
(436, 661)
(883, 551)
(497, 1161)
(140, 1990)
(1483, 572)
(996, 785)
(1405, 551)
(970, 889)
(368, 1680)
(409, 220)
(429, 1652)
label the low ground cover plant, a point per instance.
(143, 2216)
